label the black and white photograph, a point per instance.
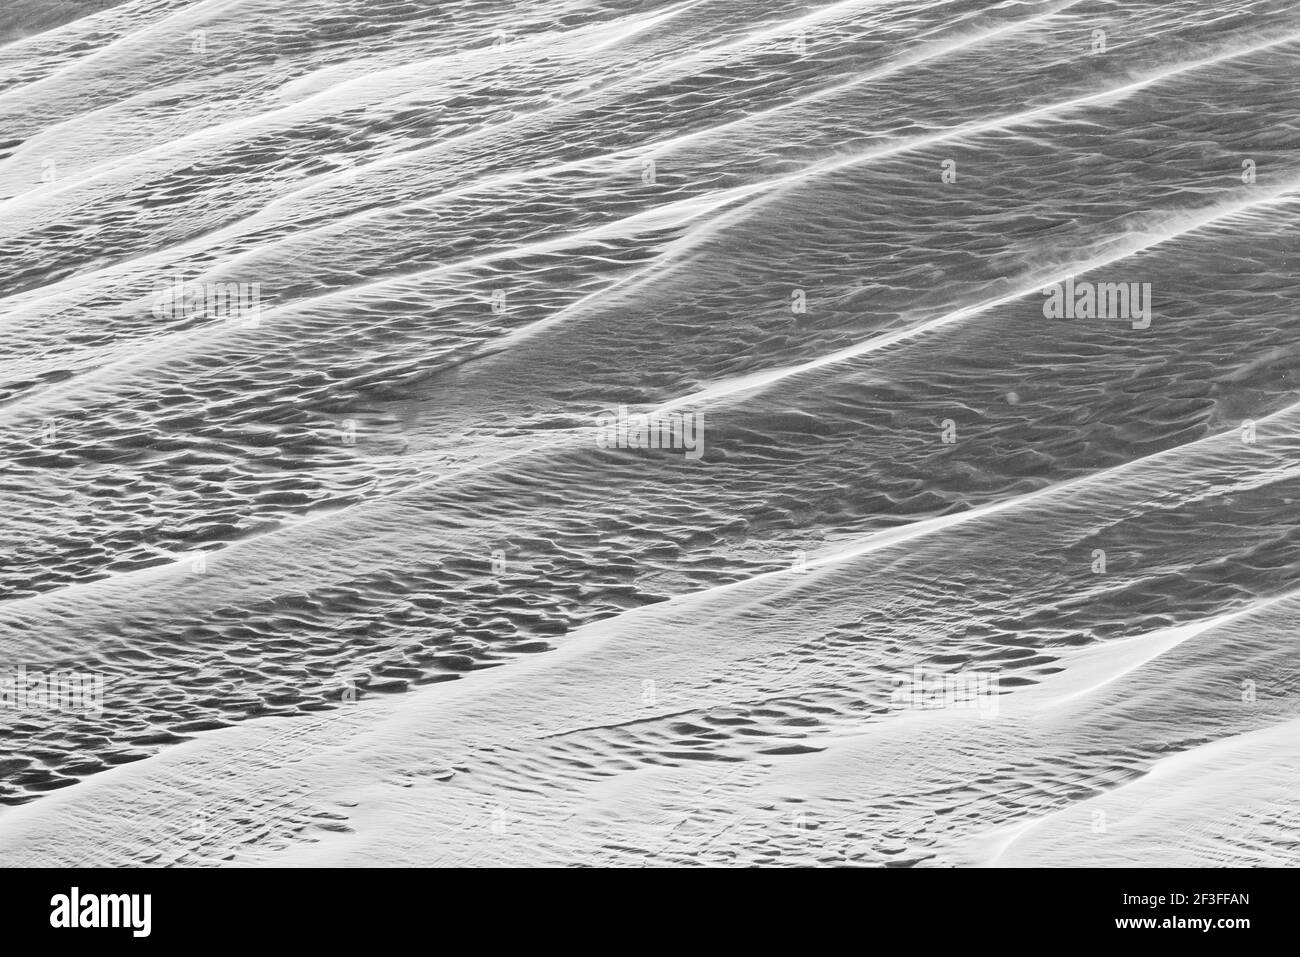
(768, 434)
